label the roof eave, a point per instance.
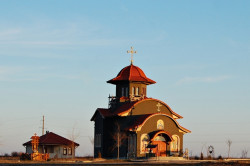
(122, 81)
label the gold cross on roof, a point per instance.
(158, 107)
(132, 53)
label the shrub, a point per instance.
(202, 156)
(220, 157)
(6, 155)
(209, 157)
(25, 156)
(14, 154)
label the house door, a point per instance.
(161, 149)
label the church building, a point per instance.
(134, 125)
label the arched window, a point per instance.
(160, 124)
(144, 143)
(133, 91)
(137, 91)
(126, 92)
(144, 91)
(159, 138)
(122, 91)
(175, 144)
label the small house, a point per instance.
(56, 145)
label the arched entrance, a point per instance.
(161, 139)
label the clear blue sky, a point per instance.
(56, 56)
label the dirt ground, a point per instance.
(80, 162)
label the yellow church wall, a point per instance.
(151, 126)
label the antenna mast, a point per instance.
(43, 126)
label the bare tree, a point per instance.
(229, 143)
(73, 136)
(203, 146)
(119, 138)
(92, 141)
(244, 153)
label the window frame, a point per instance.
(69, 151)
(133, 91)
(65, 150)
(137, 91)
(122, 91)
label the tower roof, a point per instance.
(131, 73)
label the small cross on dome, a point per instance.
(131, 51)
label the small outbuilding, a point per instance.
(56, 145)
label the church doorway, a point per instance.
(161, 140)
(161, 148)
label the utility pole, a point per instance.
(43, 126)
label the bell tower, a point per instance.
(131, 83)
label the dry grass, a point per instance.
(89, 161)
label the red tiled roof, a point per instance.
(51, 138)
(138, 122)
(131, 73)
(104, 113)
(128, 106)
(125, 107)
(185, 129)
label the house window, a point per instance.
(70, 151)
(160, 124)
(98, 140)
(64, 151)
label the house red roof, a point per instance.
(131, 73)
(51, 138)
